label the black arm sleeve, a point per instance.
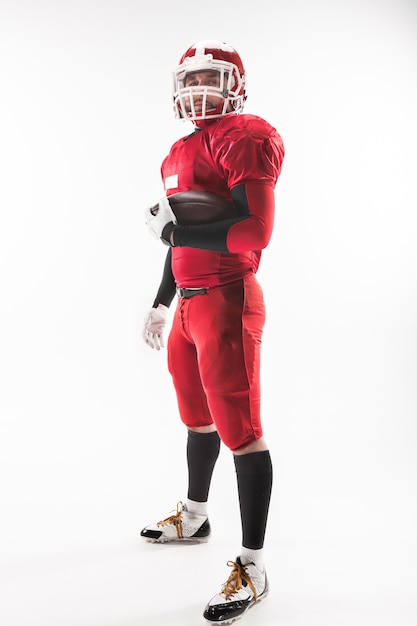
(211, 236)
(166, 291)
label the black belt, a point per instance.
(189, 293)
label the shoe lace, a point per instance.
(175, 519)
(237, 578)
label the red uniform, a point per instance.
(214, 344)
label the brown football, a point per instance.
(200, 207)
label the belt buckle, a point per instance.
(189, 292)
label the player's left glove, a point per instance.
(159, 216)
(154, 326)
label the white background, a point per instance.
(91, 446)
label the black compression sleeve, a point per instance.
(213, 236)
(207, 236)
(240, 200)
(166, 291)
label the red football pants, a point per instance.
(214, 359)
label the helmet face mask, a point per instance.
(195, 101)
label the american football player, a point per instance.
(215, 339)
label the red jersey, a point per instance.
(231, 151)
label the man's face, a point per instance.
(206, 78)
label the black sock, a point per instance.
(254, 479)
(202, 452)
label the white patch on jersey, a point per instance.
(171, 182)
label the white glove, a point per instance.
(158, 216)
(154, 326)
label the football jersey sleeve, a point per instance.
(248, 150)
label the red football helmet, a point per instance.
(209, 56)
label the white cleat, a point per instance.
(181, 525)
(245, 586)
